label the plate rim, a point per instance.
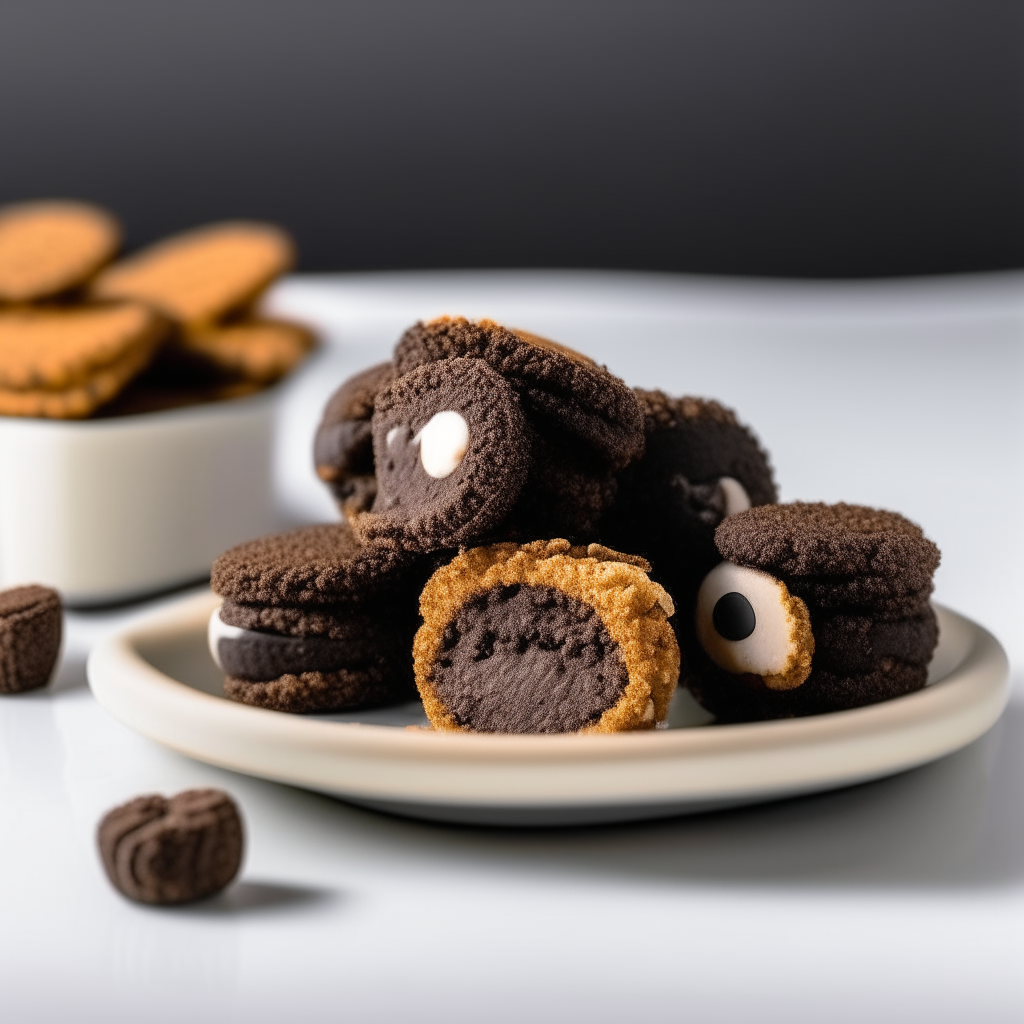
(750, 761)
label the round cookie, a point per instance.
(65, 362)
(343, 446)
(198, 277)
(50, 247)
(320, 565)
(545, 638)
(452, 451)
(766, 647)
(699, 465)
(561, 390)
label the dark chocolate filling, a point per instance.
(260, 657)
(522, 659)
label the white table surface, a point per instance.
(900, 900)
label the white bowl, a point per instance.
(157, 677)
(111, 509)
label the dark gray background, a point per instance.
(786, 137)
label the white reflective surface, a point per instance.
(900, 900)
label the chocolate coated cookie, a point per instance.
(562, 391)
(769, 646)
(343, 447)
(30, 632)
(545, 638)
(177, 850)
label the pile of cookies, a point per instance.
(170, 325)
(576, 546)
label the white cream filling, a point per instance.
(392, 434)
(734, 494)
(216, 630)
(443, 443)
(767, 650)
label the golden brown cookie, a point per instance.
(261, 351)
(65, 362)
(200, 276)
(50, 247)
(545, 638)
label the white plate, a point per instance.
(157, 677)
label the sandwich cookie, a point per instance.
(781, 627)
(314, 621)
(545, 638)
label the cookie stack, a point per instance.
(168, 326)
(481, 439)
(584, 533)
(313, 620)
(815, 608)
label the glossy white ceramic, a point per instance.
(112, 509)
(158, 678)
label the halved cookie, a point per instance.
(545, 638)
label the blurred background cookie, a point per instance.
(65, 362)
(199, 277)
(51, 247)
(783, 628)
(545, 638)
(261, 351)
(31, 624)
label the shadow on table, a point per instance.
(255, 897)
(958, 823)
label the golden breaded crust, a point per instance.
(633, 609)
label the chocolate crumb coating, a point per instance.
(669, 501)
(475, 492)
(177, 850)
(30, 634)
(324, 564)
(561, 390)
(831, 541)
(318, 692)
(869, 643)
(343, 446)
(545, 638)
